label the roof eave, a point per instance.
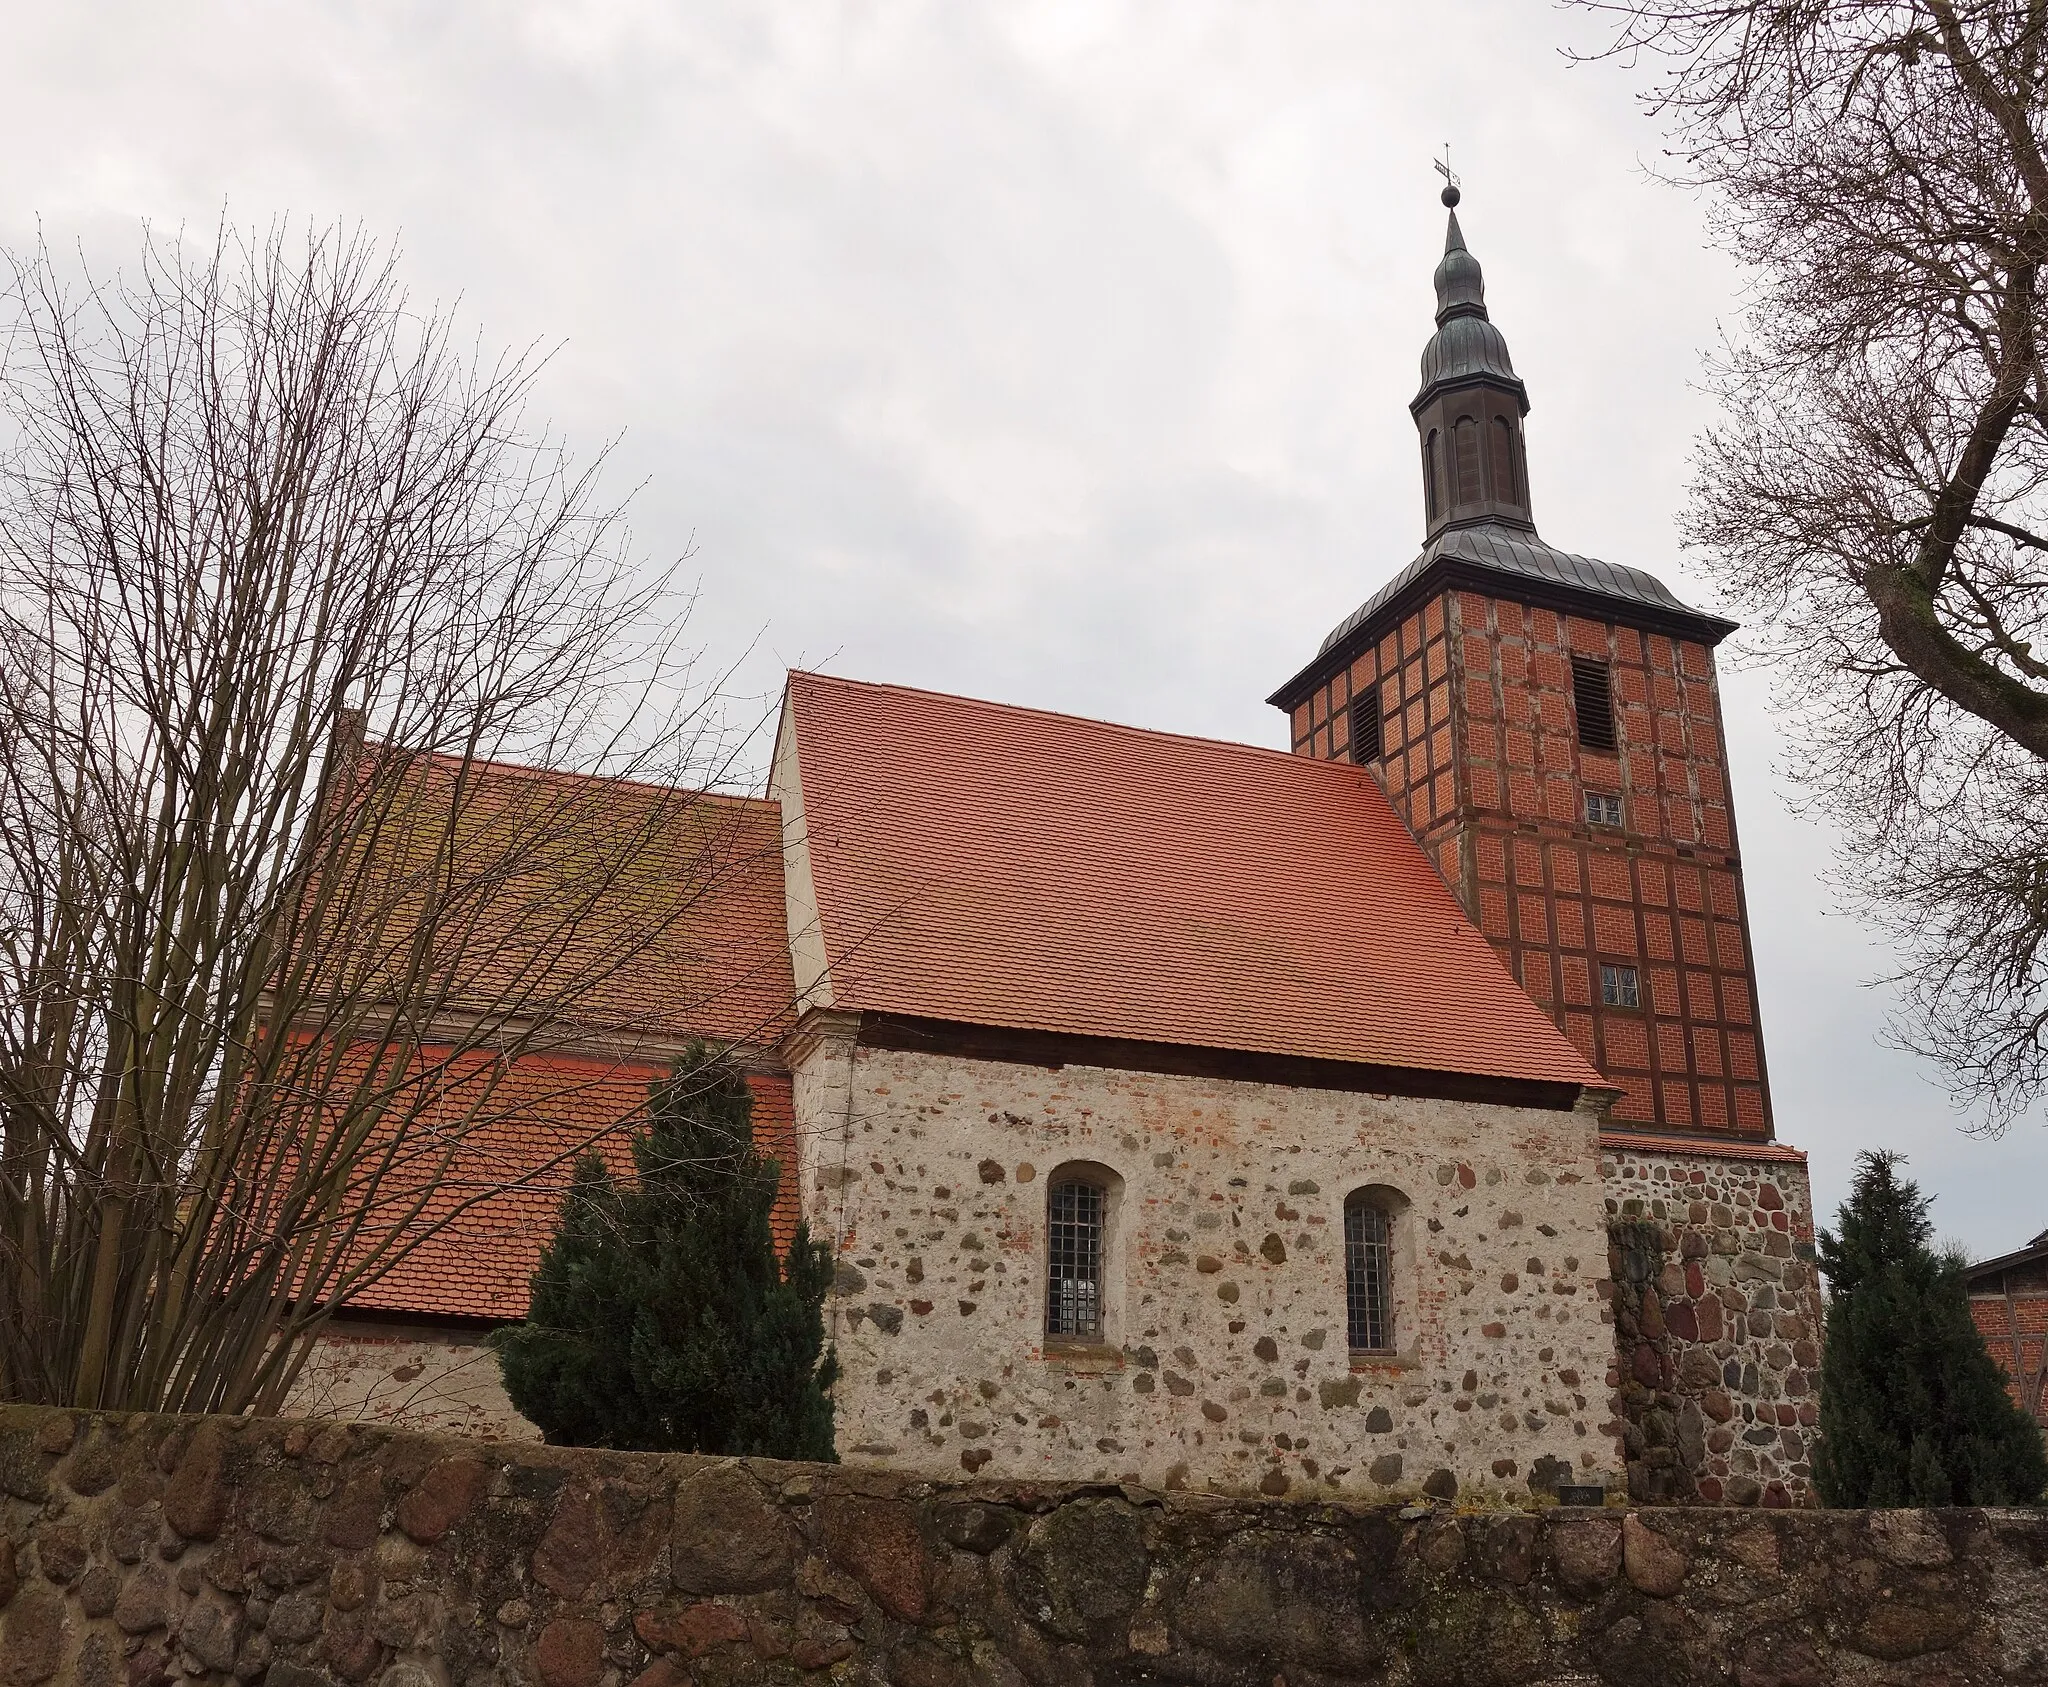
(1454, 573)
(1439, 384)
(1040, 1046)
(2030, 1255)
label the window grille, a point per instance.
(1593, 701)
(1603, 809)
(1620, 987)
(1073, 1303)
(1365, 727)
(1368, 1278)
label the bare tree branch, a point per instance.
(1880, 168)
(285, 579)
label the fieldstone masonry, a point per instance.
(1716, 1374)
(1225, 1365)
(141, 1551)
(1646, 1319)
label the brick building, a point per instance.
(1386, 1115)
(2009, 1300)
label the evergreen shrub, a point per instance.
(662, 1319)
(1913, 1409)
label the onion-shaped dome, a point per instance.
(1460, 287)
(1466, 345)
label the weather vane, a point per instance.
(1443, 169)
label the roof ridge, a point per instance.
(995, 706)
(494, 764)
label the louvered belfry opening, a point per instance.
(1074, 1226)
(1365, 727)
(1593, 702)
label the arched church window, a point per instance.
(1504, 462)
(1078, 1210)
(1369, 1218)
(1465, 449)
(1429, 472)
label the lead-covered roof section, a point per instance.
(1466, 345)
(1012, 868)
(1508, 561)
(1518, 556)
(1468, 349)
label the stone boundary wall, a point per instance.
(139, 1551)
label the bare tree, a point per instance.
(284, 577)
(1876, 495)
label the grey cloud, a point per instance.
(1052, 351)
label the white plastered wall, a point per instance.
(807, 954)
(407, 1376)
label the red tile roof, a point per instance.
(651, 908)
(675, 929)
(518, 1153)
(1011, 867)
(1702, 1147)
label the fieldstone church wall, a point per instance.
(1225, 1365)
(1691, 1315)
(140, 1551)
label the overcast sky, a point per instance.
(1057, 353)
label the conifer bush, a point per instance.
(662, 1319)
(1913, 1409)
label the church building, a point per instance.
(1383, 1115)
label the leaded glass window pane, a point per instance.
(1073, 1303)
(1368, 1278)
(1620, 987)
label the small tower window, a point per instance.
(1365, 726)
(1076, 1221)
(1603, 808)
(1429, 493)
(1620, 987)
(1593, 701)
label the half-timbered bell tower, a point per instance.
(1550, 728)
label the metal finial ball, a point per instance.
(1450, 197)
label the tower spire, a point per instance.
(1470, 409)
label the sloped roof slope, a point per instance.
(633, 918)
(614, 905)
(1512, 554)
(1508, 560)
(495, 1206)
(1009, 867)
